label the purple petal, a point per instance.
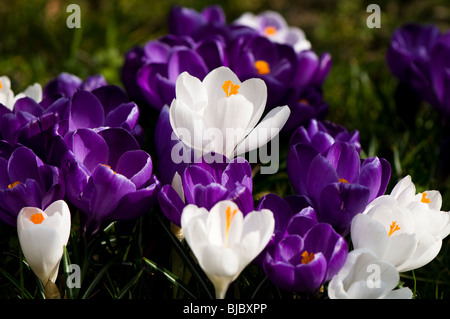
(86, 111)
(136, 166)
(119, 141)
(88, 147)
(171, 204)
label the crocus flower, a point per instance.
(439, 73)
(272, 25)
(42, 236)
(149, 73)
(339, 184)
(205, 184)
(403, 228)
(25, 180)
(306, 256)
(187, 22)
(220, 113)
(66, 84)
(224, 241)
(109, 178)
(364, 276)
(322, 134)
(417, 56)
(7, 97)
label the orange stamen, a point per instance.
(270, 30)
(393, 228)
(307, 257)
(343, 180)
(230, 88)
(11, 186)
(425, 199)
(262, 67)
(37, 218)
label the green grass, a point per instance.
(36, 45)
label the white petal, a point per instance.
(404, 191)
(255, 91)
(42, 248)
(366, 232)
(215, 79)
(61, 210)
(34, 91)
(227, 121)
(191, 92)
(265, 131)
(187, 125)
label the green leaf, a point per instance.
(97, 279)
(187, 259)
(129, 285)
(16, 283)
(170, 276)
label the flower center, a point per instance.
(229, 88)
(1, 85)
(37, 218)
(11, 186)
(262, 67)
(425, 199)
(343, 180)
(304, 101)
(270, 30)
(307, 257)
(393, 228)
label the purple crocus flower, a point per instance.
(204, 184)
(155, 68)
(322, 134)
(418, 58)
(109, 178)
(440, 73)
(187, 22)
(283, 210)
(339, 184)
(25, 180)
(306, 256)
(67, 84)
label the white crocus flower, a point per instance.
(272, 25)
(7, 97)
(219, 114)
(223, 241)
(403, 228)
(42, 235)
(364, 276)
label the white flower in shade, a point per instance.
(364, 276)
(219, 114)
(272, 25)
(224, 241)
(42, 235)
(7, 97)
(403, 228)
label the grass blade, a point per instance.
(170, 276)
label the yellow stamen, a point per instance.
(230, 88)
(11, 186)
(425, 199)
(307, 257)
(262, 67)
(1, 85)
(393, 228)
(343, 180)
(270, 30)
(37, 218)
